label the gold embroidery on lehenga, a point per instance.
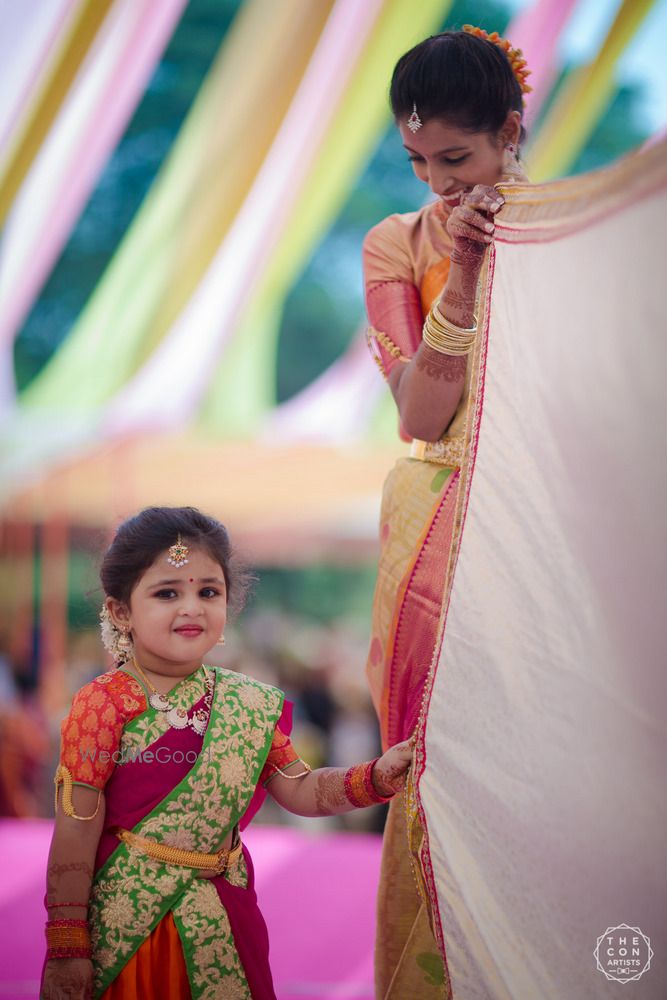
(213, 962)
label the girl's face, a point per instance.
(175, 615)
(452, 161)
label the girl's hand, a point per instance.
(471, 225)
(389, 771)
(68, 979)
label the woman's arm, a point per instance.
(428, 389)
(323, 792)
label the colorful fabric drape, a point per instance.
(541, 763)
(583, 98)
(185, 790)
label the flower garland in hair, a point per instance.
(515, 56)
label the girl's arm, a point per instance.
(69, 878)
(327, 791)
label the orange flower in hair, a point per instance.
(515, 56)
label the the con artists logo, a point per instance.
(623, 953)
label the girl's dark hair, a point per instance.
(141, 539)
(458, 77)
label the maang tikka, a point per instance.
(178, 553)
(414, 122)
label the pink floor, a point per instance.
(317, 893)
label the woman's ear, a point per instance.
(510, 132)
(119, 613)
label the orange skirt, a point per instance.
(157, 968)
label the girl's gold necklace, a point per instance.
(178, 718)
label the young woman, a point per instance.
(457, 101)
(150, 890)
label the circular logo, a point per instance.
(623, 953)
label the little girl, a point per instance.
(150, 890)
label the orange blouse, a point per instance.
(99, 713)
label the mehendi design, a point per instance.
(329, 791)
(54, 871)
(440, 366)
(67, 982)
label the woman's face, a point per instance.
(452, 161)
(176, 615)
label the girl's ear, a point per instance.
(119, 613)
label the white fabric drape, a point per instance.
(545, 740)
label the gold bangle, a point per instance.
(444, 345)
(447, 324)
(63, 775)
(291, 777)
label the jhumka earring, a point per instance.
(124, 643)
(414, 122)
(178, 553)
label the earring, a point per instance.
(511, 148)
(221, 641)
(124, 643)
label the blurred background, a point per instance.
(184, 190)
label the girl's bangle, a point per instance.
(68, 939)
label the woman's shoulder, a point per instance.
(399, 226)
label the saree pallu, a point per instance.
(160, 929)
(540, 767)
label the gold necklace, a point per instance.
(178, 718)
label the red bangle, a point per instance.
(370, 787)
(66, 938)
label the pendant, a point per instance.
(159, 702)
(199, 722)
(177, 718)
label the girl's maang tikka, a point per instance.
(178, 553)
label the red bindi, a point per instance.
(192, 579)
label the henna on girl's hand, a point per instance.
(64, 977)
(440, 366)
(329, 790)
(54, 872)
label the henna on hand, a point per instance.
(329, 791)
(54, 872)
(440, 366)
(68, 977)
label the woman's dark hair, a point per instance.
(457, 77)
(141, 539)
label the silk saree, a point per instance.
(534, 818)
(160, 929)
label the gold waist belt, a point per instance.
(218, 862)
(448, 451)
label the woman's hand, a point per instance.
(389, 771)
(68, 979)
(471, 227)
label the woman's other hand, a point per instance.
(471, 225)
(68, 979)
(390, 770)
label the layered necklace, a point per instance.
(179, 718)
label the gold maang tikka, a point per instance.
(178, 553)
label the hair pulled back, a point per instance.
(458, 77)
(140, 540)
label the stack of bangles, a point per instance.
(359, 787)
(68, 938)
(446, 338)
